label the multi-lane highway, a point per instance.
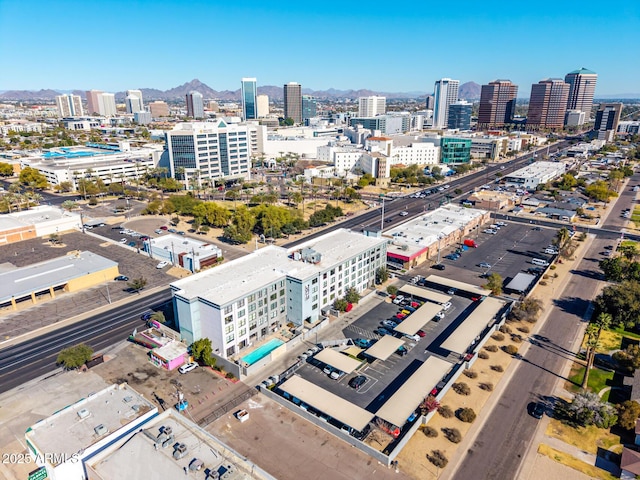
(35, 357)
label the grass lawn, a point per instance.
(597, 379)
(573, 462)
(609, 340)
(624, 333)
(585, 438)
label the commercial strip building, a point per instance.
(36, 222)
(117, 433)
(422, 238)
(537, 173)
(185, 252)
(69, 273)
(109, 163)
(246, 300)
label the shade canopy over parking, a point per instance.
(338, 360)
(418, 319)
(425, 294)
(328, 403)
(384, 347)
(473, 325)
(465, 287)
(402, 404)
(521, 282)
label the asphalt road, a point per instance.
(505, 437)
(33, 358)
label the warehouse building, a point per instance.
(537, 173)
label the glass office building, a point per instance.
(249, 103)
(455, 150)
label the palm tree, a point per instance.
(594, 330)
(562, 238)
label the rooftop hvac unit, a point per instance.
(84, 413)
(135, 408)
(127, 399)
(101, 430)
(168, 442)
(180, 451)
(167, 431)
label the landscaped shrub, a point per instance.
(452, 434)
(524, 329)
(430, 432)
(445, 411)
(466, 415)
(545, 276)
(497, 368)
(516, 338)
(483, 355)
(461, 388)
(491, 348)
(488, 387)
(498, 336)
(542, 282)
(531, 319)
(552, 267)
(437, 458)
(505, 329)
(510, 349)
(470, 374)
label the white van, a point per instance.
(540, 262)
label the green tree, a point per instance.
(588, 409)
(340, 304)
(69, 205)
(613, 269)
(629, 358)
(593, 332)
(382, 275)
(74, 357)
(6, 170)
(628, 413)
(622, 301)
(599, 191)
(31, 176)
(137, 284)
(567, 182)
(392, 290)
(352, 295)
(494, 283)
(242, 223)
(158, 317)
(64, 187)
(202, 352)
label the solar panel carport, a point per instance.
(338, 360)
(465, 287)
(473, 325)
(384, 347)
(425, 294)
(418, 319)
(326, 402)
(401, 405)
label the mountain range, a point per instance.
(468, 91)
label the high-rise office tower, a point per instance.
(249, 92)
(69, 105)
(195, 105)
(548, 104)
(262, 102)
(93, 102)
(607, 119)
(159, 109)
(497, 104)
(460, 115)
(293, 101)
(429, 101)
(107, 104)
(445, 93)
(582, 87)
(371, 106)
(309, 107)
(133, 101)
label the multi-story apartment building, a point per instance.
(582, 87)
(133, 101)
(69, 105)
(607, 119)
(262, 105)
(249, 92)
(107, 104)
(92, 102)
(445, 93)
(548, 104)
(249, 298)
(460, 115)
(210, 150)
(195, 105)
(372, 106)
(497, 104)
(293, 102)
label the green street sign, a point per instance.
(40, 474)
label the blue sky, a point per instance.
(396, 46)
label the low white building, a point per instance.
(26, 127)
(537, 173)
(249, 298)
(36, 222)
(185, 252)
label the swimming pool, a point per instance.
(263, 351)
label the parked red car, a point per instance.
(421, 334)
(400, 316)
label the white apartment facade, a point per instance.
(247, 299)
(69, 105)
(371, 106)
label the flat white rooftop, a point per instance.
(338, 360)
(537, 169)
(34, 216)
(179, 244)
(424, 294)
(384, 347)
(419, 318)
(460, 340)
(69, 430)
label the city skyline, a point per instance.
(114, 70)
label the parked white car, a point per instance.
(187, 367)
(162, 265)
(398, 299)
(446, 306)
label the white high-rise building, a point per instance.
(134, 101)
(262, 102)
(445, 93)
(371, 106)
(92, 101)
(195, 105)
(69, 105)
(107, 104)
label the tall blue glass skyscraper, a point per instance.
(249, 93)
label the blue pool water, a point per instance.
(263, 351)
